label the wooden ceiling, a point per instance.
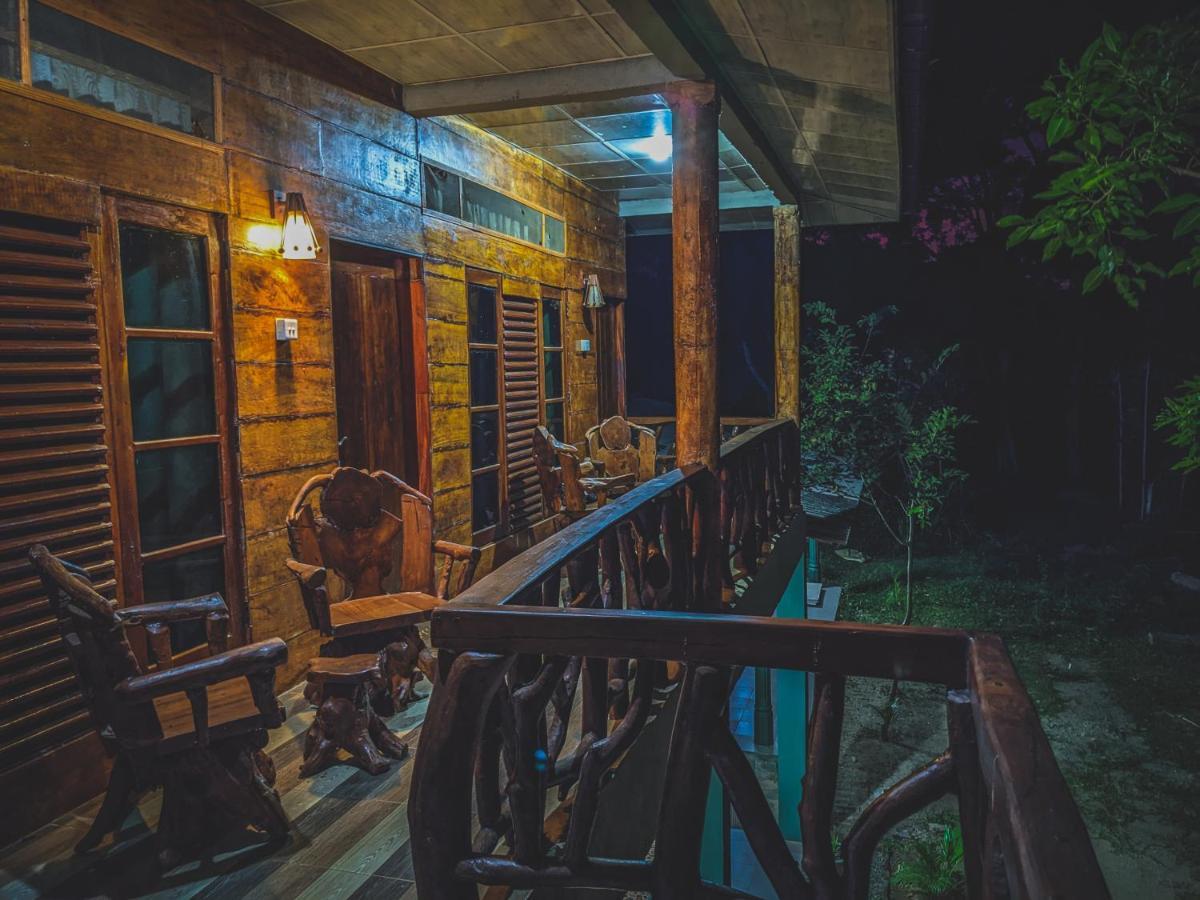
(809, 88)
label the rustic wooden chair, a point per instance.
(623, 447)
(197, 729)
(566, 478)
(343, 550)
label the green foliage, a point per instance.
(1126, 122)
(936, 869)
(1182, 416)
(870, 411)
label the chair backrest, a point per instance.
(549, 472)
(352, 535)
(623, 447)
(93, 634)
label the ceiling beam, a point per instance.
(665, 30)
(542, 87)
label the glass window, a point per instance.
(481, 314)
(78, 60)
(483, 378)
(180, 578)
(489, 209)
(554, 419)
(443, 191)
(556, 234)
(171, 388)
(485, 500)
(553, 373)
(10, 47)
(551, 324)
(485, 439)
(178, 495)
(164, 277)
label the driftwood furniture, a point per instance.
(624, 448)
(343, 551)
(569, 480)
(197, 729)
(510, 656)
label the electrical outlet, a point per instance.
(287, 329)
(584, 345)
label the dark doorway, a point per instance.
(379, 342)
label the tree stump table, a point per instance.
(341, 688)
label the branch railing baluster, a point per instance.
(644, 587)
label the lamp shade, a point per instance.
(592, 297)
(299, 238)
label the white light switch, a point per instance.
(584, 345)
(287, 329)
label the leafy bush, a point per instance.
(935, 871)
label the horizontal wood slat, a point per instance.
(521, 396)
(54, 479)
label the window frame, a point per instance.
(457, 220)
(556, 296)
(23, 84)
(491, 280)
(124, 449)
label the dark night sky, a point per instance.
(1034, 351)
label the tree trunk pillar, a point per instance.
(787, 313)
(694, 109)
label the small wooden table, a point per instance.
(341, 687)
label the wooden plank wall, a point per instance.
(299, 116)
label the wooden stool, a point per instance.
(340, 687)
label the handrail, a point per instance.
(511, 659)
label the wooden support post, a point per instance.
(787, 313)
(694, 201)
(694, 108)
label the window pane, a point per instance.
(554, 419)
(442, 191)
(483, 377)
(178, 495)
(183, 577)
(553, 380)
(164, 277)
(79, 60)
(485, 500)
(555, 234)
(489, 209)
(171, 388)
(485, 439)
(481, 314)
(551, 323)
(10, 56)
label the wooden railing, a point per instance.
(641, 621)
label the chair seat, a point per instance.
(231, 710)
(357, 668)
(381, 613)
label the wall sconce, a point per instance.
(592, 297)
(299, 240)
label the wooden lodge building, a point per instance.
(180, 361)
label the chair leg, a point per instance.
(401, 662)
(117, 804)
(341, 722)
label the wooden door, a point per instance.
(372, 368)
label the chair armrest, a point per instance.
(316, 598)
(469, 556)
(603, 487)
(312, 577)
(156, 617)
(263, 656)
(174, 610)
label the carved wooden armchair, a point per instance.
(623, 448)
(343, 550)
(197, 729)
(567, 479)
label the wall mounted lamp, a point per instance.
(592, 296)
(299, 238)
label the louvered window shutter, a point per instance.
(521, 402)
(54, 486)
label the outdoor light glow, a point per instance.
(265, 236)
(299, 238)
(657, 146)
